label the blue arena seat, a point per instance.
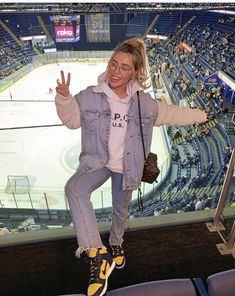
(173, 287)
(222, 283)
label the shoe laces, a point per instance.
(117, 250)
(94, 268)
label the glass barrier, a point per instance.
(31, 156)
(35, 163)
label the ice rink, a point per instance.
(48, 155)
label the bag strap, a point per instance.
(141, 128)
(140, 202)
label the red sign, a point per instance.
(185, 46)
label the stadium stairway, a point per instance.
(42, 24)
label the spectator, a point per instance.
(3, 230)
(109, 154)
(199, 205)
(208, 202)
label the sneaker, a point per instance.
(118, 256)
(101, 266)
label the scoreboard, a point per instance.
(67, 28)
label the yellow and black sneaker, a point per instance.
(101, 266)
(118, 256)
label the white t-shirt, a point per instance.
(118, 125)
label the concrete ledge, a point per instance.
(132, 224)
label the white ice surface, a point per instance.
(39, 152)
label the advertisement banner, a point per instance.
(98, 27)
(64, 32)
(67, 28)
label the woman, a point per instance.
(111, 147)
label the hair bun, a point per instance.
(135, 43)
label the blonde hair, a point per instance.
(137, 49)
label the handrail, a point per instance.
(231, 240)
(224, 191)
(229, 246)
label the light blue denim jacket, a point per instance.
(90, 110)
(95, 116)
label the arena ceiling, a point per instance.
(105, 7)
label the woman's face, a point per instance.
(120, 71)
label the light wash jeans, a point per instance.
(78, 192)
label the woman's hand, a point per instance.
(63, 87)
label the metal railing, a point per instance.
(228, 247)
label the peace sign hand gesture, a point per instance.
(62, 87)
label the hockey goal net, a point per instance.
(17, 184)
